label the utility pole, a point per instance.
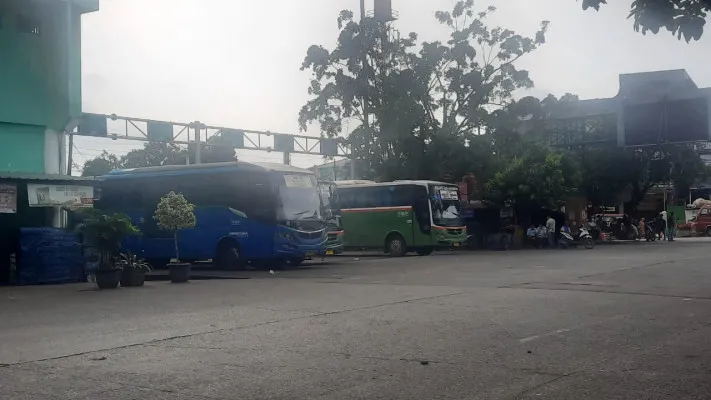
(364, 61)
(198, 149)
(70, 156)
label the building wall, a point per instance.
(22, 148)
(40, 77)
(38, 86)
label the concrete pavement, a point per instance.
(616, 322)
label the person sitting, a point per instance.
(532, 236)
(542, 235)
(566, 228)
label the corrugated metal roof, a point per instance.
(43, 177)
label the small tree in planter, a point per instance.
(106, 232)
(174, 213)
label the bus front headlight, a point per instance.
(286, 236)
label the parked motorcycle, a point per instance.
(649, 233)
(583, 237)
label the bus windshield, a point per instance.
(445, 205)
(299, 199)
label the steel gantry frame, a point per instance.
(148, 130)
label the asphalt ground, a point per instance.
(615, 322)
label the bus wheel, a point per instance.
(425, 251)
(396, 246)
(295, 262)
(228, 256)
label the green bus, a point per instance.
(401, 216)
(332, 213)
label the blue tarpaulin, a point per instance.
(49, 255)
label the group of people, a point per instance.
(543, 235)
(663, 226)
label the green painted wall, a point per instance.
(40, 72)
(40, 77)
(21, 148)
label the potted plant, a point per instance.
(133, 270)
(174, 213)
(106, 232)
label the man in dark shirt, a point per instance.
(671, 227)
(661, 226)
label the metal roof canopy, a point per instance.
(22, 176)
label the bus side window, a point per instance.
(345, 196)
(251, 193)
(401, 196)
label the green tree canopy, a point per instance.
(174, 213)
(426, 100)
(683, 18)
(538, 178)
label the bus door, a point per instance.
(422, 225)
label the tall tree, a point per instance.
(538, 178)
(683, 18)
(101, 165)
(608, 173)
(426, 101)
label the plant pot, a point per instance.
(108, 278)
(179, 272)
(132, 277)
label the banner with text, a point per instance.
(60, 195)
(8, 199)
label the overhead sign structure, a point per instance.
(41, 195)
(192, 133)
(93, 125)
(186, 133)
(8, 199)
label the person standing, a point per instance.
(671, 226)
(661, 225)
(550, 229)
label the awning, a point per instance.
(22, 176)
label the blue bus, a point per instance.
(247, 213)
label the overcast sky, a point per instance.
(235, 63)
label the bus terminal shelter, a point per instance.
(35, 248)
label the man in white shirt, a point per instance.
(550, 228)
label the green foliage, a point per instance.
(425, 100)
(101, 165)
(608, 173)
(683, 18)
(132, 262)
(443, 110)
(174, 213)
(106, 232)
(155, 154)
(539, 178)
